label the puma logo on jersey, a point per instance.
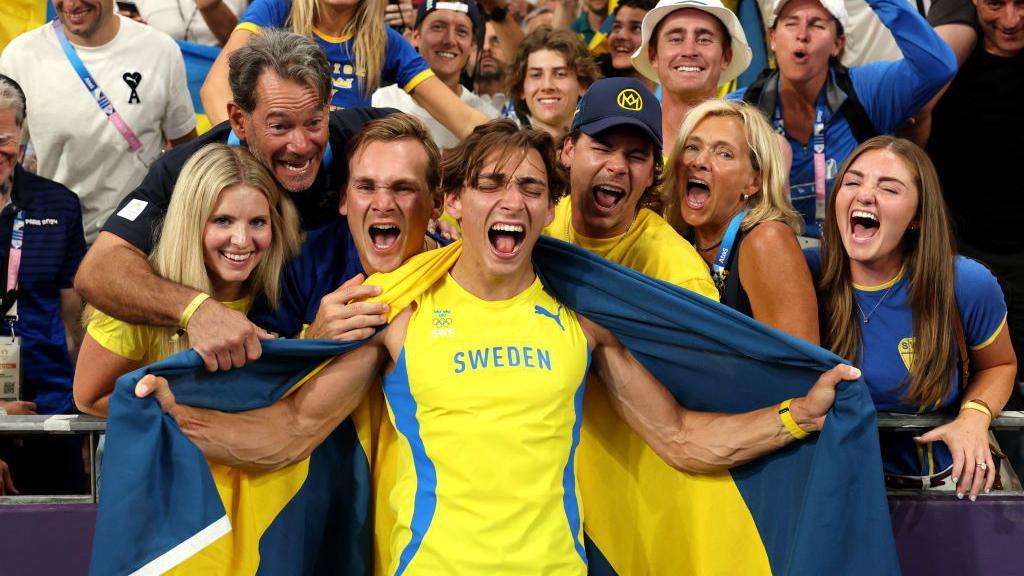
(556, 316)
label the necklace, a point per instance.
(867, 316)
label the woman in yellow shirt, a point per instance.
(227, 233)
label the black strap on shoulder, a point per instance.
(756, 88)
(860, 123)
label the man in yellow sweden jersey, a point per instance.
(484, 376)
(613, 153)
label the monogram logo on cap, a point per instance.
(630, 99)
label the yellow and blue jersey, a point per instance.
(887, 353)
(403, 65)
(487, 398)
(650, 246)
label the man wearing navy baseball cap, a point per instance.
(445, 34)
(613, 153)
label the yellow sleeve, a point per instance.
(126, 340)
(669, 257)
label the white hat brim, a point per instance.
(741, 53)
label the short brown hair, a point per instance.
(462, 165)
(395, 127)
(565, 42)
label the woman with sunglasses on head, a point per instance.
(927, 327)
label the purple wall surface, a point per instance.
(44, 540)
(943, 535)
(934, 535)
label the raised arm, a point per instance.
(287, 431)
(700, 442)
(892, 92)
(776, 278)
(116, 278)
(216, 92)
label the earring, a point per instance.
(745, 196)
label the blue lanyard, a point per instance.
(821, 114)
(234, 140)
(134, 144)
(721, 262)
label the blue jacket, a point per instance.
(890, 92)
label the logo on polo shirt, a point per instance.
(630, 99)
(906, 349)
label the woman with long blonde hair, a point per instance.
(927, 327)
(228, 231)
(365, 54)
(725, 183)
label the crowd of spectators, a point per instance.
(906, 270)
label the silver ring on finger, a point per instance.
(982, 466)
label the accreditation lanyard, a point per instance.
(14, 261)
(818, 146)
(94, 89)
(720, 265)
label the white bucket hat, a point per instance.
(741, 54)
(834, 7)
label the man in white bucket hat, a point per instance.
(690, 47)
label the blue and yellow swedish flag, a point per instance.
(816, 507)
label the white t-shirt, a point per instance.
(181, 20)
(395, 97)
(74, 141)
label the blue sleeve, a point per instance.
(403, 64)
(75, 247)
(267, 13)
(981, 303)
(892, 92)
(813, 257)
(287, 319)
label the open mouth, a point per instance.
(864, 224)
(549, 100)
(445, 54)
(384, 236)
(608, 197)
(697, 193)
(237, 259)
(800, 56)
(296, 166)
(506, 239)
(689, 69)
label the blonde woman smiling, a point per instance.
(227, 233)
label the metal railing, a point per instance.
(93, 427)
(1009, 420)
(57, 424)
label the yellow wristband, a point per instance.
(973, 405)
(787, 420)
(191, 309)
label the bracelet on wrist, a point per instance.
(786, 415)
(978, 405)
(186, 315)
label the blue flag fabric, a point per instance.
(819, 504)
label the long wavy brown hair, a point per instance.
(929, 253)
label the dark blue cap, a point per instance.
(467, 7)
(618, 102)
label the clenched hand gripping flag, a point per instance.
(815, 507)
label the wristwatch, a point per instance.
(498, 14)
